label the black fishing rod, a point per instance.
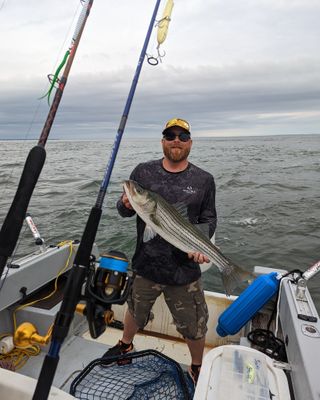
(13, 222)
(81, 265)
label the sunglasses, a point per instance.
(183, 136)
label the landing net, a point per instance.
(135, 376)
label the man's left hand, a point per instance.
(198, 257)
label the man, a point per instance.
(159, 266)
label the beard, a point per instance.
(176, 153)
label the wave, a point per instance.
(249, 221)
(283, 187)
(237, 183)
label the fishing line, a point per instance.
(13, 222)
(2, 5)
(39, 103)
(46, 297)
(82, 261)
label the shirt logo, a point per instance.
(189, 190)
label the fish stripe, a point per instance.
(175, 229)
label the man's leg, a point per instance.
(130, 328)
(190, 314)
(143, 295)
(141, 298)
(196, 348)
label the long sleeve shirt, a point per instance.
(192, 191)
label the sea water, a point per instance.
(268, 196)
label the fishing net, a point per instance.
(135, 376)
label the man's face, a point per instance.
(176, 150)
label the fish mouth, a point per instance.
(128, 186)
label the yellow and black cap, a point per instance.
(177, 122)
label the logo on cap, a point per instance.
(177, 122)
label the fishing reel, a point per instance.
(108, 283)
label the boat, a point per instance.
(241, 364)
(299, 327)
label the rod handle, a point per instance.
(13, 222)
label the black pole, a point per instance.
(13, 222)
(76, 278)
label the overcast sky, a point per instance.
(232, 67)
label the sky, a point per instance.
(231, 68)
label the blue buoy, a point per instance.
(248, 304)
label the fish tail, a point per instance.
(234, 278)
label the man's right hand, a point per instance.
(126, 202)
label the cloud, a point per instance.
(241, 98)
(232, 68)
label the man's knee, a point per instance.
(189, 310)
(193, 331)
(141, 299)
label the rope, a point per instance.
(17, 357)
(265, 339)
(62, 270)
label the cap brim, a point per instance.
(176, 127)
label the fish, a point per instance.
(165, 220)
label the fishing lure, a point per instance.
(54, 78)
(163, 26)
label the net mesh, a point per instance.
(135, 376)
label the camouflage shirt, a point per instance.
(192, 190)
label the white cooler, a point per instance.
(240, 373)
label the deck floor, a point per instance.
(171, 347)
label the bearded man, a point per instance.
(159, 266)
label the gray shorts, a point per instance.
(186, 304)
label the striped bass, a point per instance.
(163, 219)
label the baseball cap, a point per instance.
(181, 123)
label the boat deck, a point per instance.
(147, 340)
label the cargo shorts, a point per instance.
(186, 303)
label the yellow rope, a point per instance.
(66, 242)
(17, 357)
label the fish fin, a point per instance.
(182, 209)
(203, 228)
(234, 279)
(206, 265)
(148, 233)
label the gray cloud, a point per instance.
(240, 99)
(231, 68)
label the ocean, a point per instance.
(268, 196)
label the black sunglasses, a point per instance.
(183, 136)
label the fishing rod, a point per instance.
(81, 265)
(13, 222)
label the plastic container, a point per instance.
(248, 304)
(238, 372)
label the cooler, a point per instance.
(239, 372)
